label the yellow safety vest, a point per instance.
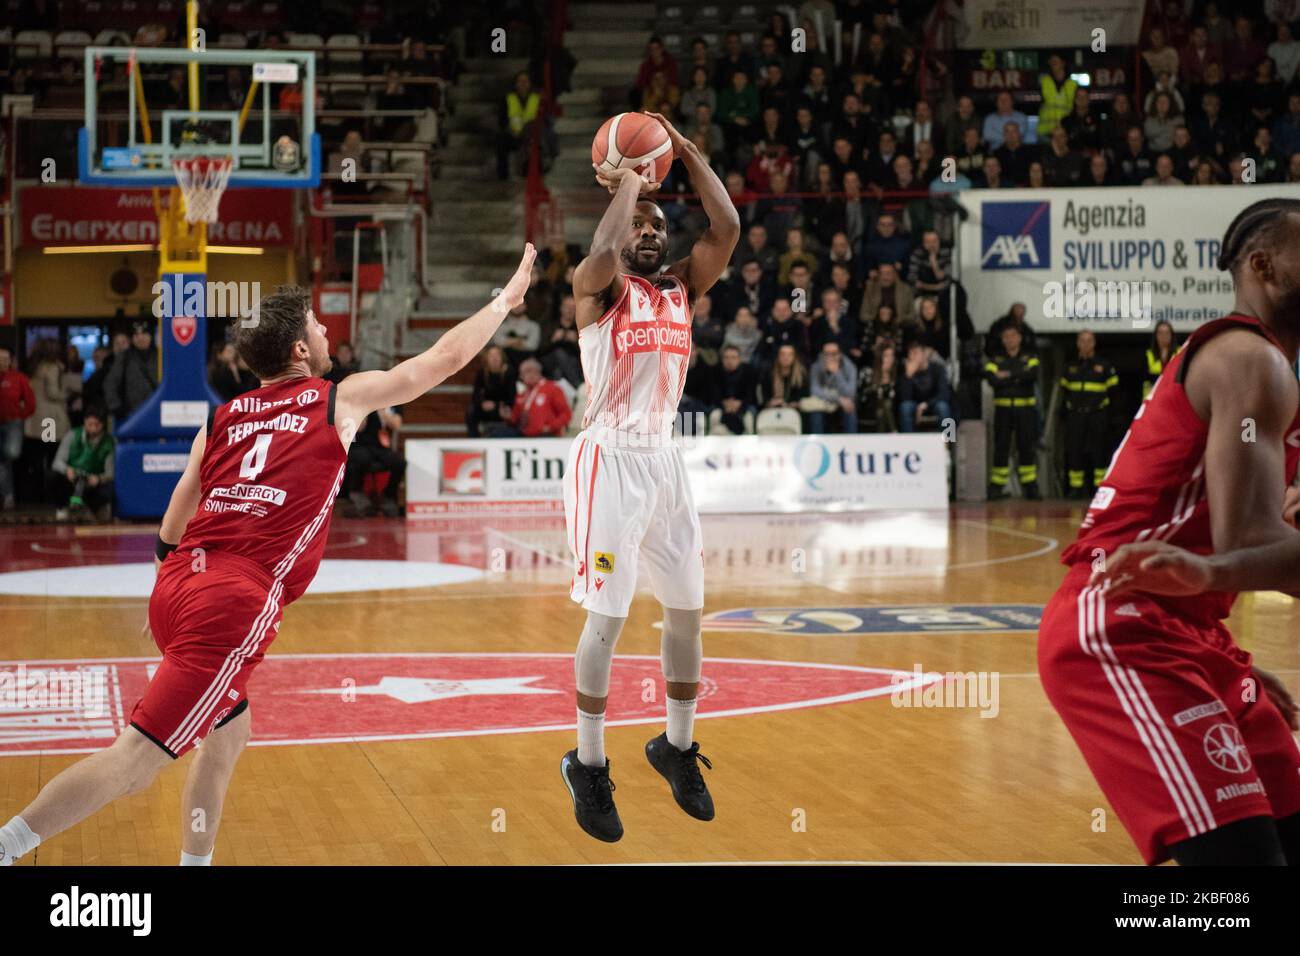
(519, 114)
(1057, 103)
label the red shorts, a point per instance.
(212, 626)
(1155, 702)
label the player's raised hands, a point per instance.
(512, 296)
(677, 139)
(611, 179)
(1156, 567)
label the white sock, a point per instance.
(16, 840)
(591, 739)
(681, 722)
(191, 859)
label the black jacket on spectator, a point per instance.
(1133, 169)
(1084, 132)
(927, 385)
(757, 299)
(846, 338)
(970, 163)
(790, 394)
(709, 334)
(1064, 170)
(741, 384)
(499, 388)
(1016, 162)
(834, 217)
(131, 380)
(777, 334)
(1217, 139)
(700, 382)
(230, 385)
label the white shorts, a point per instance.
(624, 504)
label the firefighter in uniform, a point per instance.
(1089, 383)
(1015, 415)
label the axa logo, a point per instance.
(1016, 235)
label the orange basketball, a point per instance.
(633, 140)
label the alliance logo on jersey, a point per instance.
(901, 619)
(307, 396)
(1016, 235)
(463, 473)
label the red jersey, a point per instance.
(1155, 488)
(272, 466)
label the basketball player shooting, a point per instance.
(1132, 649)
(627, 497)
(241, 540)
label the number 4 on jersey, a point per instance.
(255, 460)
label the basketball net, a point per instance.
(202, 180)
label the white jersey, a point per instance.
(635, 359)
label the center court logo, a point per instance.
(1016, 235)
(329, 698)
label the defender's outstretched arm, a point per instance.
(364, 392)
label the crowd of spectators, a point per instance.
(840, 298)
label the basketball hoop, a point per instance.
(202, 180)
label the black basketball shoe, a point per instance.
(681, 768)
(593, 798)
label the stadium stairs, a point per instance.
(476, 228)
(475, 236)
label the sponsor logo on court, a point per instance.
(343, 698)
(900, 619)
(1226, 749)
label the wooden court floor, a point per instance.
(851, 780)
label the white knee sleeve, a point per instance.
(681, 647)
(596, 653)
